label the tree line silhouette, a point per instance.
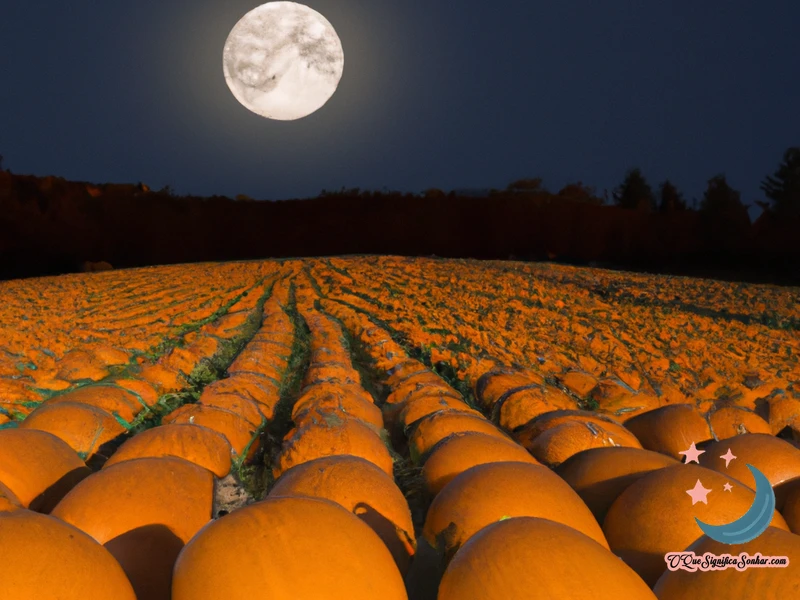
(49, 226)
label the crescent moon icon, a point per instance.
(752, 523)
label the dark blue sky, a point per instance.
(435, 93)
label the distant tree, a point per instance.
(670, 199)
(634, 192)
(725, 216)
(1, 162)
(783, 187)
(720, 196)
(577, 192)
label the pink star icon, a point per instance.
(698, 493)
(692, 454)
(728, 487)
(728, 457)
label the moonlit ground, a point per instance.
(283, 60)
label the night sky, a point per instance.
(435, 93)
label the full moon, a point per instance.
(283, 60)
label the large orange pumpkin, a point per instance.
(773, 582)
(263, 391)
(246, 408)
(527, 434)
(519, 407)
(89, 431)
(143, 510)
(195, 443)
(600, 475)
(557, 444)
(237, 430)
(487, 493)
(435, 427)
(43, 557)
(784, 412)
(494, 385)
(729, 421)
(461, 451)
(655, 515)
(670, 429)
(422, 383)
(421, 407)
(287, 548)
(362, 488)
(537, 559)
(38, 467)
(110, 398)
(777, 459)
(331, 437)
(313, 407)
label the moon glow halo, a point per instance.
(283, 60)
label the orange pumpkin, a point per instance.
(655, 515)
(489, 492)
(435, 427)
(777, 459)
(420, 407)
(89, 431)
(323, 389)
(670, 429)
(314, 407)
(529, 557)
(241, 435)
(143, 390)
(784, 412)
(419, 384)
(195, 443)
(335, 371)
(38, 467)
(495, 385)
(362, 488)
(775, 582)
(518, 408)
(248, 409)
(143, 511)
(293, 547)
(533, 429)
(461, 451)
(600, 475)
(43, 557)
(260, 389)
(331, 437)
(556, 444)
(112, 399)
(729, 421)
(404, 369)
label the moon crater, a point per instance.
(283, 60)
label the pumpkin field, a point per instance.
(389, 428)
